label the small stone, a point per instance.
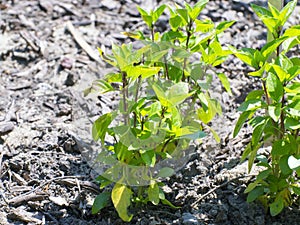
(6, 127)
(189, 219)
(67, 63)
(47, 6)
(110, 4)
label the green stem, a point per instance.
(189, 34)
(136, 99)
(125, 96)
(152, 33)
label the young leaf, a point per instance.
(146, 17)
(255, 193)
(157, 13)
(270, 47)
(277, 206)
(100, 202)
(223, 26)
(100, 126)
(165, 172)
(204, 26)
(161, 95)
(275, 111)
(153, 193)
(225, 82)
(246, 55)
(121, 198)
(242, 119)
(166, 202)
(274, 87)
(286, 12)
(175, 22)
(178, 93)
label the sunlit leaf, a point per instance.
(121, 198)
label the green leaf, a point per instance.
(255, 94)
(215, 135)
(255, 193)
(165, 172)
(100, 86)
(225, 82)
(277, 206)
(264, 174)
(250, 105)
(121, 198)
(293, 31)
(242, 119)
(149, 157)
(178, 93)
(271, 46)
(168, 203)
(175, 22)
(284, 166)
(281, 73)
(223, 26)
(189, 132)
(246, 152)
(274, 87)
(161, 95)
(153, 193)
(253, 152)
(280, 148)
(258, 131)
(100, 126)
(197, 8)
(286, 12)
(251, 186)
(261, 11)
(204, 26)
(146, 16)
(157, 13)
(184, 14)
(143, 71)
(171, 35)
(100, 202)
(291, 124)
(275, 111)
(246, 55)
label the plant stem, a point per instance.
(136, 99)
(152, 33)
(125, 96)
(282, 117)
(166, 67)
(189, 34)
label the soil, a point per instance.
(45, 122)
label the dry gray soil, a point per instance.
(45, 121)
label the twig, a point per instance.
(48, 182)
(217, 187)
(83, 44)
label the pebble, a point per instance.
(189, 219)
(6, 127)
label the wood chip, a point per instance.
(59, 201)
(24, 216)
(83, 44)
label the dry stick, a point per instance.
(82, 43)
(48, 182)
(217, 187)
